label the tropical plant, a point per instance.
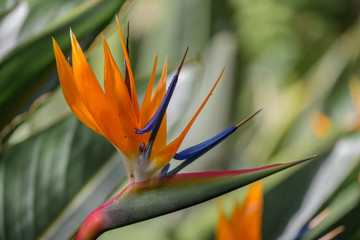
(298, 61)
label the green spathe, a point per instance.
(158, 196)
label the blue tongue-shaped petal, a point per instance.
(154, 124)
(193, 153)
(159, 115)
(204, 146)
(165, 170)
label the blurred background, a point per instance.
(297, 60)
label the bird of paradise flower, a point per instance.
(245, 222)
(139, 135)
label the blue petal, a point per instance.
(193, 153)
(162, 108)
(150, 125)
(156, 120)
(203, 147)
(165, 170)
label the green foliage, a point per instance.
(294, 59)
(156, 197)
(26, 66)
(41, 175)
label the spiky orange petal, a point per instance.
(246, 220)
(225, 230)
(70, 90)
(160, 89)
(134, 99)
(162, 157)
(98, 104)
(116, 90)
(146, 104)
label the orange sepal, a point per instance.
(98, 104)
(70, 91)
(224, 229)
(160, 90)
(152, 105)
(134, 99)
(159, 94)
(146, 106)
(116, 90)
(247, 219)
(164, 156)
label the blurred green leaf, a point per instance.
(41, 175)
(344, 210)
(25, 68)
(25, 19)
(318, 181)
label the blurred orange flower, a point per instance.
(246, 220)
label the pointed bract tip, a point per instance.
(54, 41)
(72, 37)
(55, 46)
(71, 32)
(128, 31)
(248, 118)
(181, 63)
(105, 45)
(127, 38)
(313, 156)
(222, 72)
(307, 159)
